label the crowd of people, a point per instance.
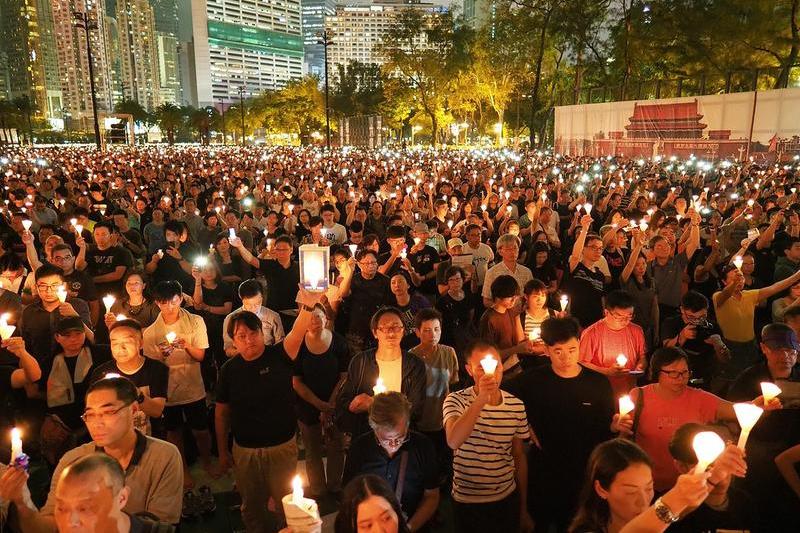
(461, 370)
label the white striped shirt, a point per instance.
(483, 467)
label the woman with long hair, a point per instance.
(618, 492)
(230, 263)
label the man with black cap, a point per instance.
(69, 376)
(778, 428)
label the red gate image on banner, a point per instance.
(763, 125)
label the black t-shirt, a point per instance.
(260, 396)
(457, 328)
(366, 296)
(702, 359)
(81, 283)
(422, 473)
(570, 416)
(395, 268)
(151, 378)
(586, 290)
(423, 263)
(281, 284)
(320, 373)
(101, 262)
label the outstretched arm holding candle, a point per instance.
(459, 429)
(29, 370)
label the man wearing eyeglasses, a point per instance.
(776, 429)
(615, 335)
(152, 467)
(405, 459)
(38, 320)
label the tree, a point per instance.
(427, 50)
(302, 106)
(201, 121)
(357, 89)
(170, 118)
(133, 108)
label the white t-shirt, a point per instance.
(391, 372)
(336, 234)
(481, 257)
(185, 381)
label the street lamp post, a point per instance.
(83, 21)
(222, 112)
(325, 38)
(241, 108)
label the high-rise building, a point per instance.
(28, 67)
(168, 50)
(314, 13)
(478, 13)
(137, 38)
(253, 44)
(358, 29)
(73, 63)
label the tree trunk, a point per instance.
(788, 63)
(538, 78)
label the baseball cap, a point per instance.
(421, 227)
(777, 336)
(70, 323)
(452, 243)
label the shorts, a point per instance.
(194, 415)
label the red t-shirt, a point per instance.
(600, 346)
(660, 418)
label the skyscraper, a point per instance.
(314, 13)
(168, 50)
(73, 64)
(140, 72)
(27, 62)
(256, 45)
(359, 28)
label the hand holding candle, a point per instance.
(747, 414)
(5, 329)
(379, 387)
(564, 302)
(489, 364)
(622, 360)
(16, 444)
(108, 301)
(707, 446)
(738, 262)
(171, 336)
(27, 224)
(770, 391)
(626, 405)
(62, 294)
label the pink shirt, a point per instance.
(601, 345)
(660, 418)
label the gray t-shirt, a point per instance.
(669, 278)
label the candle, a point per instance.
(622, 360)
(314, 261)
(231, 233)
(379, 387)
(27, 224)
(353, 248)
(535, 334)
(588, 207)
(747, 414)
(564, 302)
(302, 514)
(5, 330)
(707, 446)
(403, 253)
(769, 391)
(160, 253)
(16, 444)
(297, 491)
(78, 229)
(416, 241)
(643, 225)
(489, 364)
(171, 336)
(120, 317)
(109, 300)
(625, 405)
(73, 221)
(61, 292)
(738, 261)
(200, 262)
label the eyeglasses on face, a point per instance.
(90, 417)
(677, 374)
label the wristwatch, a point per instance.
(664, 513)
